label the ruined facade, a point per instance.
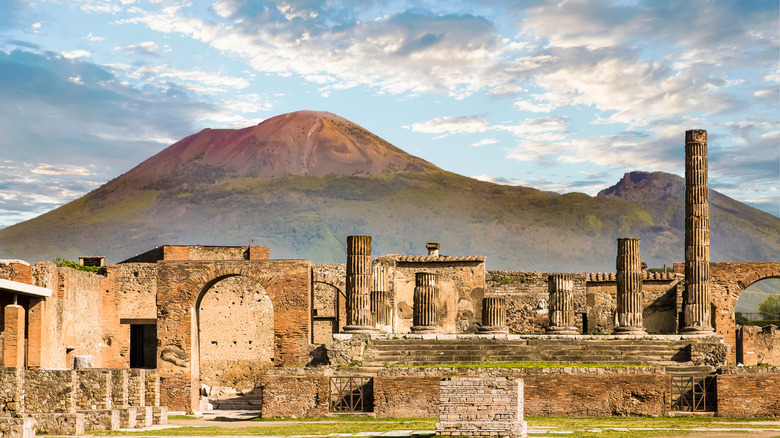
(229, 316)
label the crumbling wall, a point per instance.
(299, 396)
(748, 392)
(461, 286)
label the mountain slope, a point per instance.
(301, 182)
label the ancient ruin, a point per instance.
(204, 322)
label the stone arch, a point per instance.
(235, 333)
(328, 301)
(180, 285)
(728, 280)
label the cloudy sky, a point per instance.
(557, 95)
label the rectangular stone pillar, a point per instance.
(38, 345)
(481, 406)
(13, 334)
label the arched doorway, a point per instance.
(235, 323)
(747, 308)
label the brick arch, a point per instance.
(180, 284)
(728, 280)
(330, 279)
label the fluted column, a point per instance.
(381, 301)
(493, 315)
(629, 288)
(561, 309)
(426, 303)
(358, 292)
(696, 301)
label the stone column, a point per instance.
(13, 331)
(696, 301)
(381, 301)
(426, 303)
(561, 310)
(358, 287)
(629, 288)
(493, 316)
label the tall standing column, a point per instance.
(696, 301)
(561, 310)
(13, 330)
(629, 288)
(358, 285)
(426, 303)
(493, 316)
(381, 302)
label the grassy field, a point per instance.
(608, 427)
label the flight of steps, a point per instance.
(250, 401)
(606, 351)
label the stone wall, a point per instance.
(461, 283)
(527, 297)
(406, 397)
(481, 406)
(180, 284)
(236, 333)
(757, 345)
(748, 392)
(329, 306)
(299, 396)
(10, 391)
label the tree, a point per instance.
(770, 308)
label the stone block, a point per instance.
(104, 419)
(127, 418)
(59, 423)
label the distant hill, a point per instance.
(302, 182)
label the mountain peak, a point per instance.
(307, 143)
(646, 187)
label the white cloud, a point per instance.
(451, 125)
(75, 54)
(485, 142)
(76, 80)
(36, 26)
(94, 38)
(48, 169)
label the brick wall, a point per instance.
(406, 397)
(301, 396)
(748, 392)
(181, 283)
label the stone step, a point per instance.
(237, 403)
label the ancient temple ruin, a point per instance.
(198, 321)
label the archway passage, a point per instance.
(750, 300)
(728, 281)
(235, 333)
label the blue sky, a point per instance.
(558, 95)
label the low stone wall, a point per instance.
(300, 396)
(548, 391)
(68, 402)
(481, 406)
(748, 392)
(17, 427)
(406, 397)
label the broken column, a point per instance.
(381, 302)
(358, 286)
(426, 303)
(696, 301)
(493, 316)
(561, 313)
(629, 288)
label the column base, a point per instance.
(629, 331)
(697, 330)
(358, 329)
(492, 330)
(552, 330)
(423, 329)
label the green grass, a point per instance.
(523, 365)
(602, 427)
(309, 426)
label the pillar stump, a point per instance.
(381, 301)
(358, 285)
(493, 316)
(696, 300)
(561, 310)
(629, 288)
(426, 303)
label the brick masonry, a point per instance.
(748, 392)
(481, 406)
(406, 396)
(299, 396)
